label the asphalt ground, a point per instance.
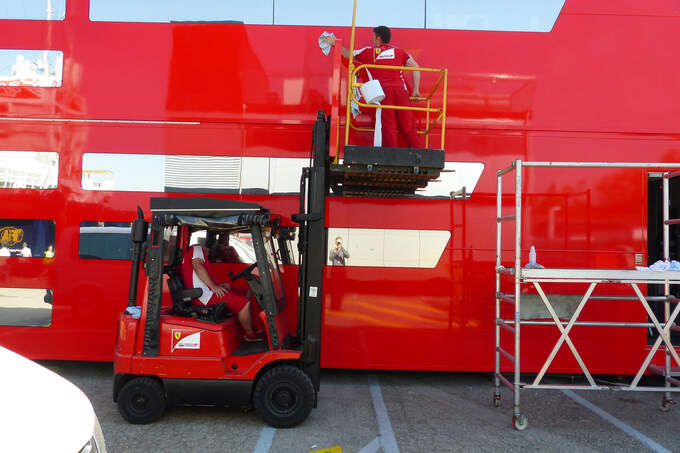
(368, 412)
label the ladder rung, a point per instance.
(503, 324)
(505, 270)
(661, 371)
(506, 354)
(505, 382)
(505, 298)
(506, 217)
(671, 222)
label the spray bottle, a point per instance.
(532, 256)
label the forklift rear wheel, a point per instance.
(284, 396)
(141, 400)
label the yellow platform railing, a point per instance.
(438, 113)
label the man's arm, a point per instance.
(331, 40)
(202, 273)
(416, 76)
(344, 250)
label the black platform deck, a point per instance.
(385, 172)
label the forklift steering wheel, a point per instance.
(244, 273)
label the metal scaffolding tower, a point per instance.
(593, 277)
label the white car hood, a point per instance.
(40, 410)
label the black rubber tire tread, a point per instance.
(292, 379)
(150, 388)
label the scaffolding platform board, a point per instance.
(385, 172)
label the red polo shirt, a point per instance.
(384, 55)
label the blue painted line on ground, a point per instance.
(618, 423)
(387, 439)
(264, 443)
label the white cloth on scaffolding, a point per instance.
(325, 47)
(661, 266)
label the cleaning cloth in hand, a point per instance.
(325, 47)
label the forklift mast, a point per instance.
(312, 248)
(365, 171)
(154, 270)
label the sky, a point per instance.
(516, 15)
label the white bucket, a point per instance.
(372, 92)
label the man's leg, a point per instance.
(406, 120)
(245, 318)
(388, 119)
(241, 306)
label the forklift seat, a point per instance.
(182, 297)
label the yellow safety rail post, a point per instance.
(349, 73)
(336, 94)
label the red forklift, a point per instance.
(165, 355)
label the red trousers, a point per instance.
(390, 118)
(236, 299)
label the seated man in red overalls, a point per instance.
(197, 272)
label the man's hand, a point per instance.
(225, 286)
(330, 40)
(218, 290)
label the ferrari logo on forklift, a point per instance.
(192, 341)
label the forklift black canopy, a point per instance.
(204, 207)
(208, 212)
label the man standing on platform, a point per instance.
(393, 84)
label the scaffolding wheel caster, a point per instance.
(497, 400)
(519, 422)
(666, 405)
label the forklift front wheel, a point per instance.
(284, 396)
(141, 400)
